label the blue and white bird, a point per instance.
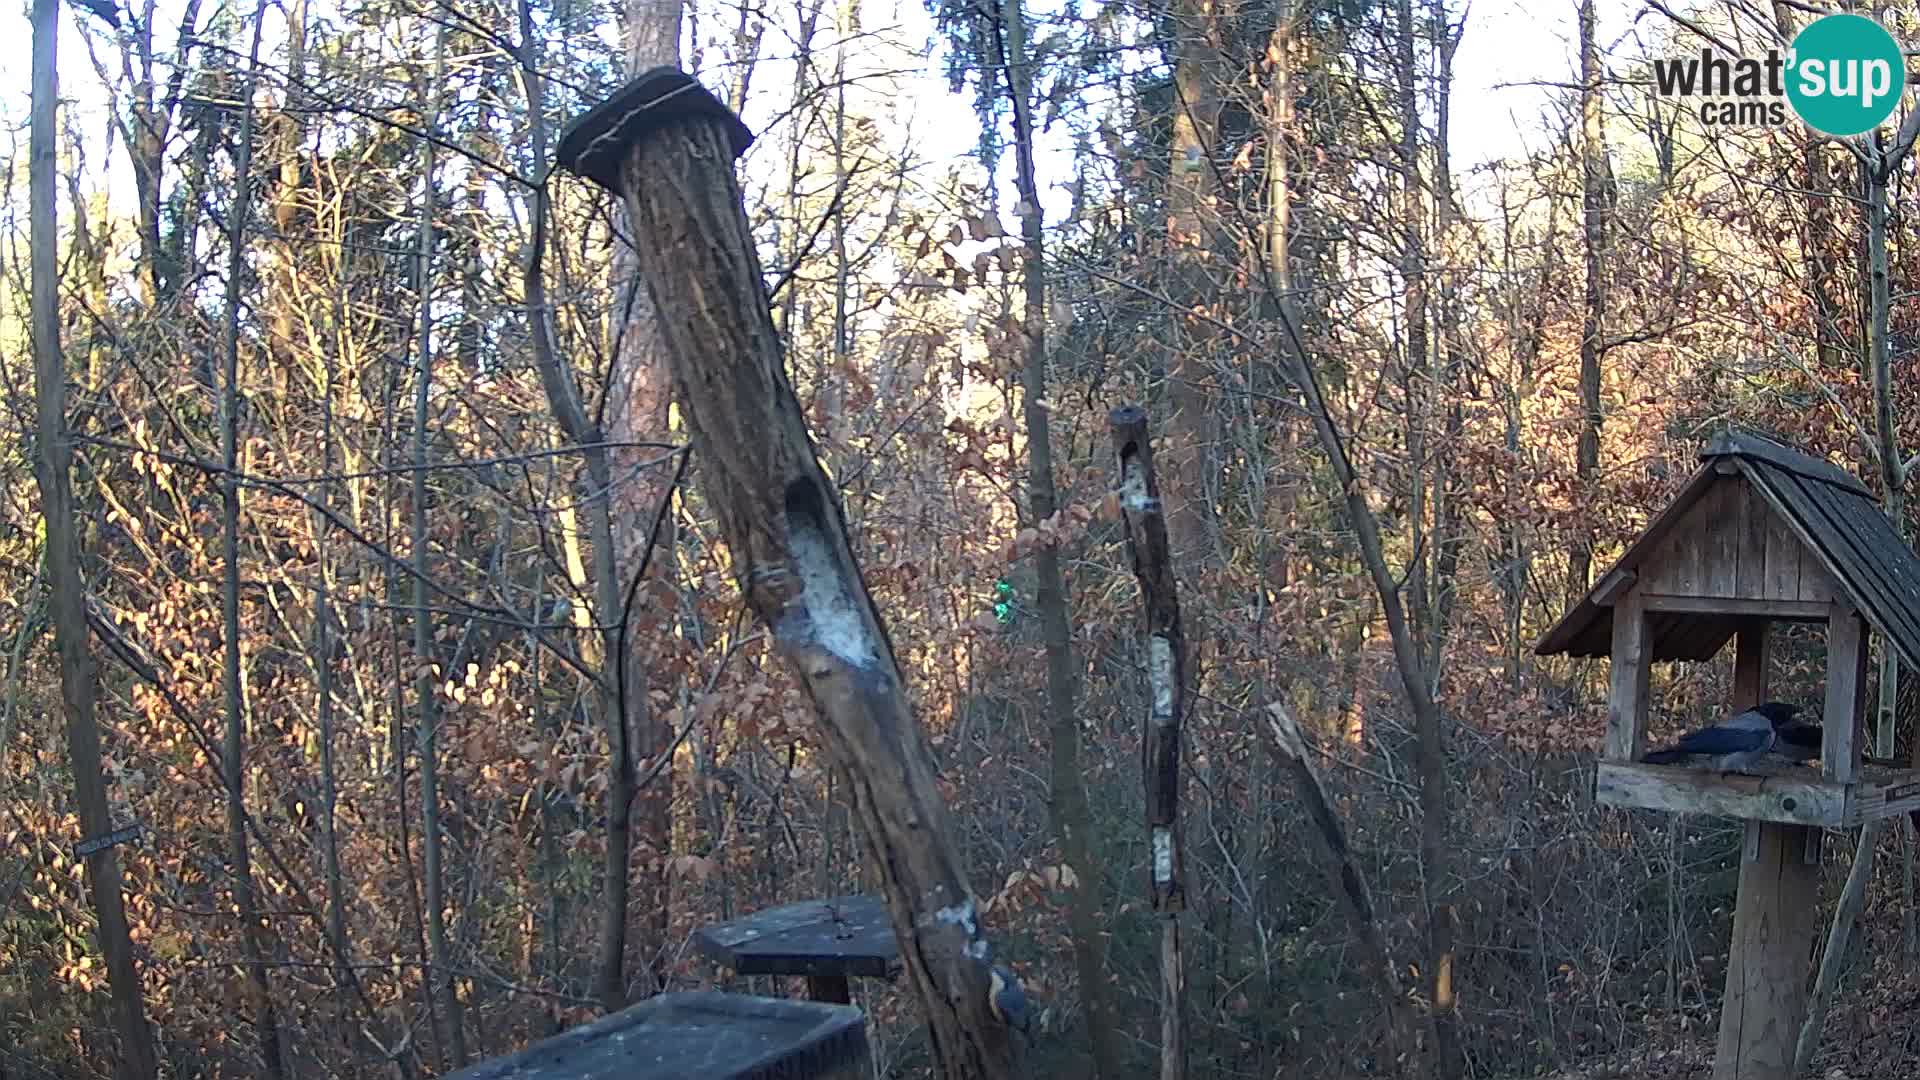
(1008, 1000)
(1734, 745)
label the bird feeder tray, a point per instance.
(1794, 796)
(709, 1035)
(825, 940)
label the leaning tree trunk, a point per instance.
(53, 469)
(667, 146)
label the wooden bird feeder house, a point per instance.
(1761, 534)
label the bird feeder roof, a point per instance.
(1762, 529)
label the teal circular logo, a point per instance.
(1846, 74)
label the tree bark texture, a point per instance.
(786, 534)
(253, 934)
(53, 469)
(636, 412)
(1593, 216)
(1191, 189)
(1072, 819)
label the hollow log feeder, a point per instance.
(1762, 533)
(709, 1035)
(826, 941)
(667, 147)
(1140, 508)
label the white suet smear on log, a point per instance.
(963, 916)
(1160, 677)
(1163, 854)
(834, 621)
(1133, 489)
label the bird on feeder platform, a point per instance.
(1007, 1000)
(1800, 739)
(1738, 744)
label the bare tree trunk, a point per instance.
(1416, 373)
(1449, 535)
(636, 411)
(323, 676)
(53, 469)
(1071, 817)
(1594, 205)
(1190, 187)
(1853, 898)
(254, 947)
(443, 987)
(615, 680)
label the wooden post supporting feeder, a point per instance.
(1761, 534)
(667, 146)
(824, 940)
(708, 1035)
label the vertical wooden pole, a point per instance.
(1632, 665)
(1843, 720)
(1141, 509)
(1773, 922)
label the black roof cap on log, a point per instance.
(596, 143)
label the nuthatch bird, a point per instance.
(1007, 1000)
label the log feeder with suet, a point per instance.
(667, 147)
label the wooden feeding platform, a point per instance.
(825, 940)
(705, 1035)
(1762, 533)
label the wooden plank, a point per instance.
(1738, 607)
(1841, 720)
(1773, 927)
(1752, 544)
(1816, 584)
(1585, 613)
(1751, 661)
(1627, 695)
(1799, 797)
(840, 936)
(1612, 585)
(1783, 555)
(1885, 799)
(1720, 537)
